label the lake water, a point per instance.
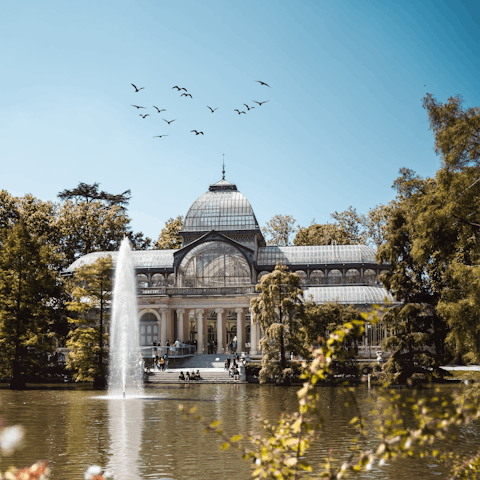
(148, 438)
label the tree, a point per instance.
(376, 225)
(456, 130)
(276, 309)
(27, 285)
(318, 320)
(352, 224)
(87, 193)
(278, 230)
(91, 293)
(460, 306)
(321, 235)
(169, 237)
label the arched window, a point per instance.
(214, 264)
(261, 274)
(335, 277)
(369, 277)
(171, 280)
(148, 329)
(303, 277)
(352, 276)
(157, 280)
(142, 280)
(317, 277)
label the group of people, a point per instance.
(232, 366)
(190, 376)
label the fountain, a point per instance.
(126, 363)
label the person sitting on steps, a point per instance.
(182, 376)
(197, 375)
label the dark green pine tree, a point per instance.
(27, 287)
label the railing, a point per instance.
(197, 290)
(153, 351)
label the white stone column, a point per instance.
(199, 312)
(180, 312)
(239, 312)
(219, 312)
(253, 334)
(163, 331)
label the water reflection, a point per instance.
(125, 424)
(148, 438)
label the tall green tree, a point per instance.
(279, 229)
(456, 130)
(91, 291)
(27, 286)
(277, 310)
(169, 237)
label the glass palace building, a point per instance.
(202, 291)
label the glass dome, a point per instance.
(223, 207)
(214, 264)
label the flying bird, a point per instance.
(169, 122)
(183, 89)
(186, 95)
(212, 109)
(263, 83)
(177, 87)
(158, 110)
(160, 136)
(136, 89)
(143, 116)
(249, 108)
(239, 112)
(137, 107)
(260, 103)
(196, 133)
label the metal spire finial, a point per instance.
(223, 171)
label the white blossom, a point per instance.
(92, 470)
(10, 437)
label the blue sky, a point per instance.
(344, 112)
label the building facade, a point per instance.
(202, 291)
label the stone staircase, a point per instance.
(212, 375)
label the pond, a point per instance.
(148, 438)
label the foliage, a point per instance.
(91, 294)
(376, 222)
(321, 235)
(169, 237)
(351, 223)
(457, 131)
(350, 228)
(459, 305)
(86, 193)
(27, 286)
(276, 310)
(278, 230)
(410, 343)
(318, 319)
(280, 452)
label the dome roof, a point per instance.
(222, 208)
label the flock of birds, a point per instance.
(186, 94)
